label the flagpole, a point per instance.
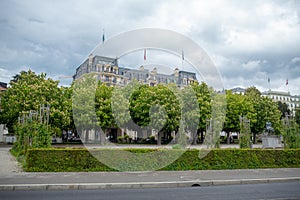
(182, 59)
(145, 56)
(103, 37)
(287, 84)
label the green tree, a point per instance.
(271, 113)
(28, 92)
(155, 107)
(284, 109)
(297, 116)
(257, 124)
(237, 106)
(83, 105)
(291, 134)
(245, 133)
(103, 105)
(204, 101)
(264, 110)
(190, 113)
(120, 106)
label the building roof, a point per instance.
(276, 93)
(3, 86)
(238, 89)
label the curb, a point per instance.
(140, 185)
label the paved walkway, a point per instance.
(8, 163)
(152, 146)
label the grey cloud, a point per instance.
(56, 36)
(35, 20)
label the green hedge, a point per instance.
(75, 160)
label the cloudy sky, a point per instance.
(248, 41)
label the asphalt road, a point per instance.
(271, 191)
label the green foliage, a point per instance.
(271, 114)
(245, 133)
(159, 97)
(177, 146)
(31, 135)
(204, 101)
(264, 110)
(237, 105)
(28, 91)
(155, 108)
(103, 98)
(284, 109)
(291, 134)
(83, 102)
(67, 160)
(297, 116)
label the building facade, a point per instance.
(109, 72)
(238, 90)
(3, 88)
(292, 101)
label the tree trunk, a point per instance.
(102, 137)
(158, 138)
(195, 136)
(79, 133)
(254, 138)
(201, 136)
(122, 134)
(87, 132)
(228, 138)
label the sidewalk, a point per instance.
(17, 180)
(150, 146)
(109, 180)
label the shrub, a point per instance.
(67, 160)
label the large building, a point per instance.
(108, 71)
(3, 88)
(238, 90)
(292, 101)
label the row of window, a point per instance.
(284, 98)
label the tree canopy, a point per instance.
(28, 92)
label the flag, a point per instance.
(182, 55)
(145, 57)
(103, 37)
(268, 80)
(287, 82)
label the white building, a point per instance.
(292, 101)
(238, 90)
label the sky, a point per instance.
(248, 41)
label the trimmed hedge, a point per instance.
(75, 160)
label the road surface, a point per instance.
(271, 191)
